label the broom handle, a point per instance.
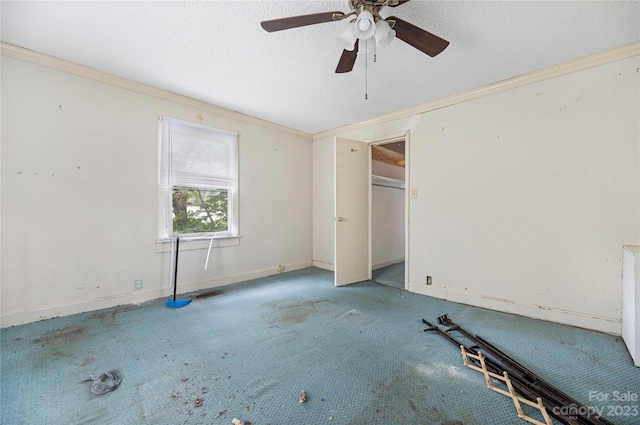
(175, 270)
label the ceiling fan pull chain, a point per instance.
(375, 53)
(366, 70)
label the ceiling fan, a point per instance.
(366, 25)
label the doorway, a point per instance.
(388, 212)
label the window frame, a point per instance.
(165, 231)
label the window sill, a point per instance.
(187, 244)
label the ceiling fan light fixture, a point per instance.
(384, 34)
(347, 39)
(365, 25)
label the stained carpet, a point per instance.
(359, 352)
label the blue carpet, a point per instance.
(392, 275)
(359, 352)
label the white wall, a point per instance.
(525, 196)
(387, 217)
(379, 168)
(79, 204)
(323, 199)
(387, 226)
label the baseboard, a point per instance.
(387, 263)
(229, 280)
(323, 265)
(567, 317)
(331, 267)
(139, 297)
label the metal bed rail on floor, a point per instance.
(524, 381)
(522, 388)
(553, 394)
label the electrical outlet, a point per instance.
(137, 283)
(280, 268)
(429, 280)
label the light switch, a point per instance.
(414, 193)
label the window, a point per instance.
(198, 185)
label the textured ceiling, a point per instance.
(217, 52)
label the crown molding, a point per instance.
(32, 56)
(575, 65)
(20, 53)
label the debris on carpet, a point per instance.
(100, 387)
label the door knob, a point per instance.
(340, 218)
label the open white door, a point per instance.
(351, 234)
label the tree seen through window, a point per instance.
(200, 210)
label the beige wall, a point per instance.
(79, 197)
(525, 196)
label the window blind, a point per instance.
(198, 156)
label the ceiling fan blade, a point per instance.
(347, 60)
(400, 3)
(298, 21)
(417, 37)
